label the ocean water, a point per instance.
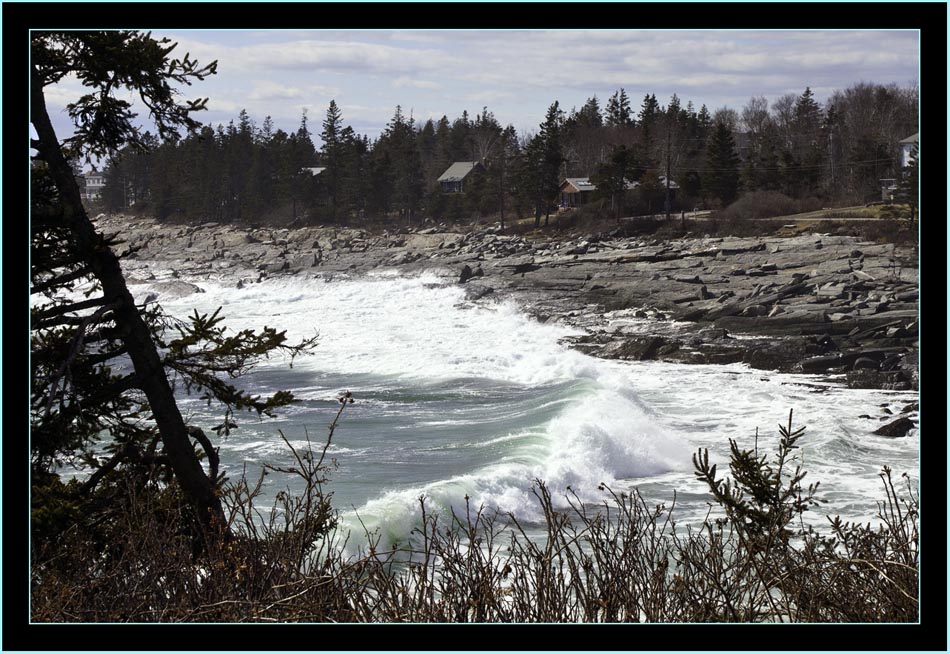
(455, 400)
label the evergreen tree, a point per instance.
(807, 144)
(618, 112)
(721, 179)
(398, 163)
(673, 147)
(67, 417)
(589, 115)
(552, 159)
(908, 190)
(584, 139)
(611, 177)
(332, 152)
(704, 120)
(648, 118)
(532, 184)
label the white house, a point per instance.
(907, 149)
(94, 182)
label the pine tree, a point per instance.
(398, 163)
(552, 159)
(589, 115)
(617, 113)
(908, 190)
(611, 177)
(332, 156)
(721, 179)
(80, 394)
(648, 118)
(807, 144)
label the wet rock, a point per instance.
(275, 267)
(824, 363)
(579, 249)
(635, 349)
(755, 311)
(466, 274)
(868, 363)
(897, 429)
(473, 292)
(865, 378)
(174, 290)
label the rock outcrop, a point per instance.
(809, 303)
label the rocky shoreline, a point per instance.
(810, 303)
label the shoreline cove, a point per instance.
(494, 411)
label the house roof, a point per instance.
(313, 171)
(911, 139)
(458, 171)
(673, 183)
(580, 183)
(583, 184)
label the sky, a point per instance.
(515, 74)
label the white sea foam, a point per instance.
(424, 364)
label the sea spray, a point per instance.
(456, 400)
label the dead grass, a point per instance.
(623, 561)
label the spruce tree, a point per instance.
(552, 159)
(102, 366)
(721, 178)
(332, 157)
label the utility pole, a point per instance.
(501, 188)
(668, 153)
(831, 154)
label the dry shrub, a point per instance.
(766, 204)
(624, 560)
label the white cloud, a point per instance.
(518, 73)
(404, 81)
(267, 90)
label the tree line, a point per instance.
(680, 157)
(153, 530)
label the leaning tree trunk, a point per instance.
(149, 371)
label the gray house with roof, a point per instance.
(454, 178)
(907, 149)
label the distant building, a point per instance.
(888, 188)
(907, 149)
(91, 185)
(577, 191)
(453, 179)
(313, 171)
(890, 185)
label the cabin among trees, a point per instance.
(576, 191)
(474, 169)
(579, 191)
(453, 179)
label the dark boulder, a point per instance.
(636, 349)
(865, 378)
(896, 429)
(866, 363)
